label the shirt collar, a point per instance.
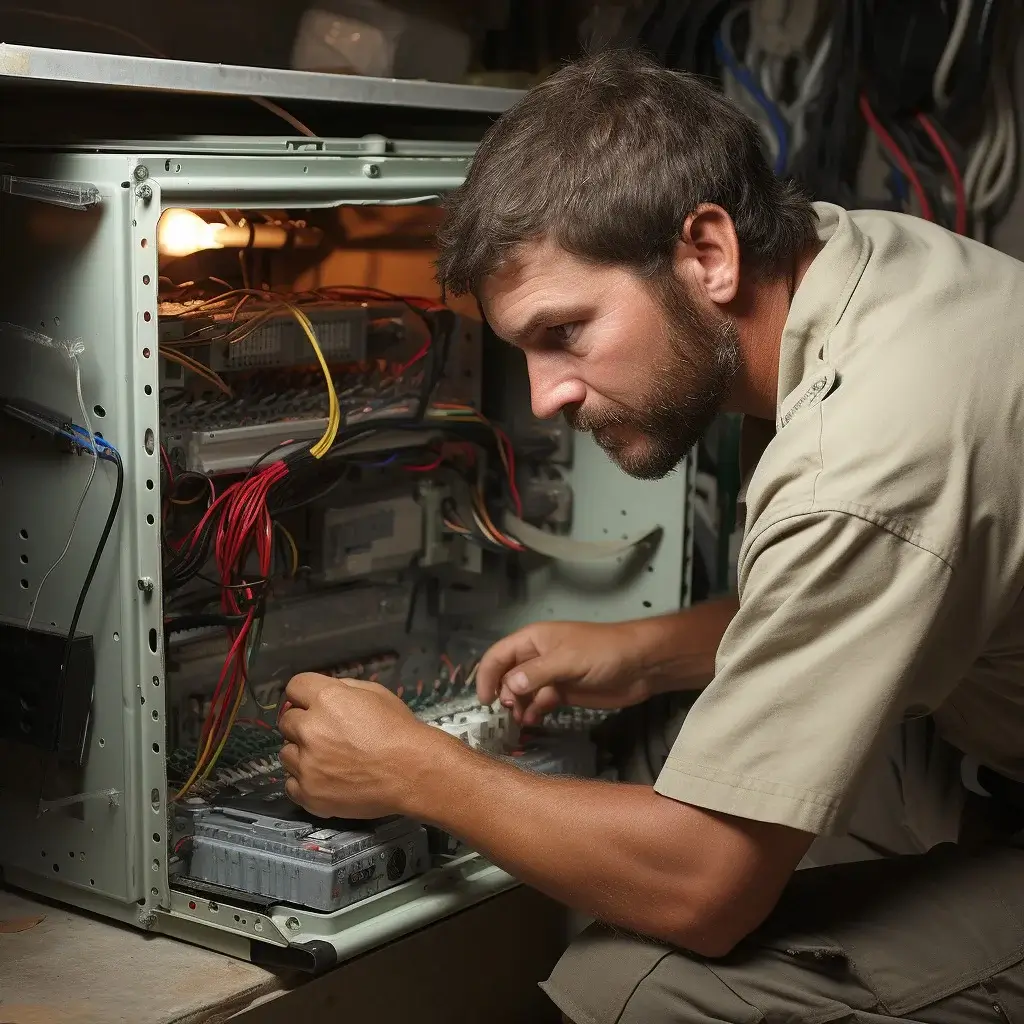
(821, 298)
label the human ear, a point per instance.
(709, 251)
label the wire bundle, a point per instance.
(824, 79)
(244, 528)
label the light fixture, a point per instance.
(182, 232)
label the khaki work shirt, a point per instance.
(882, 563)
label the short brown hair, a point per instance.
(608, 157)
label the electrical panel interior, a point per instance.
(265, 446)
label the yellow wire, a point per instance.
(323, 446)
(227, 732)
(294, 547)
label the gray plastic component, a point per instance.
(375, 537)
(280, 341)
(320, 629)
(321, 868)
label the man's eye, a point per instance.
(563, 333)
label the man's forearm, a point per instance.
(679, 649)
(621, 853)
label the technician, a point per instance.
(621, 227)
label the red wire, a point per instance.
(511, 456)
(429, 467)
(897, 154)
(960, 223)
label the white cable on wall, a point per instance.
(73, 355)
(949, 54)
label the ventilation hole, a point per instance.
(92, 881)
(98, 434)
(156, 715)
(135, 223)
(305, 170)
(56, 867)
(647, 604)
(167, 165)
(149, 485)
(154, 798)
(141, 902)
(71, 854)
(238, 918)
(650, 568)
(154, 891)
(56, 321)
(150, 519)
(147, 316)
(149, 441)
(152, 640)
(145, 242)
(156, 748)
(99, 410)
(24, 559)
(148, 390)
(24, 584)
(42, 853)
(117, 636)
(156, 864)
(145, 353)
(126, 184)
(156, 680)
(23, 534)
(81, 856)
(142, 700)
(102, 742)
(145, 279)
(156, 837)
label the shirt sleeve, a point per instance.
(840, 630)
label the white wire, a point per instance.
(948, 58)
(81, 500)
(993, 159)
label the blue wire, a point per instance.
(742, 75)
(80, 434)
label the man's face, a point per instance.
(645, 369)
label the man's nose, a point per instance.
(553, 385)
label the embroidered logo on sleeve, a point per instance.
(808, 394)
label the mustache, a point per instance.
(584, 421)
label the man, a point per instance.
(620, 226)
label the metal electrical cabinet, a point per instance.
(79, 228)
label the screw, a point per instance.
(144, 192)
(371, 170)
(146, 585)
(141, 172)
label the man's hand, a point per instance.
(553, 664)
(352, 747)
(609, 665)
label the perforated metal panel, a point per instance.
(93, 274)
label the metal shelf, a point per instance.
(33, 64)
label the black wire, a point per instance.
(110, 455)
(199, 620)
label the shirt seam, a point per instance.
(893, 525)
(752, 784)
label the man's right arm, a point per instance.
(614, 665)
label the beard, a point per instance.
(679, 399)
